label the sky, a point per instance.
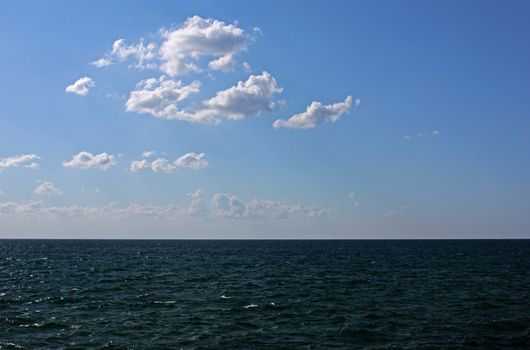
(256, 119)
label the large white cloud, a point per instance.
(179, 50)
(246, 98)
(199, 37)
(315, 114)
(26, 160)
(81, 86)
(220, 205)
(86, 160)
(47, 188)
(160, 98)
(189, 160)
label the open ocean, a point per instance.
(77, 294)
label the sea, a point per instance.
(264, 294)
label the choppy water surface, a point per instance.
(264, 294)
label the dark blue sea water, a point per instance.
(264, 294)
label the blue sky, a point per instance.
(433, 143)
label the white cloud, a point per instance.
(227, 205)
(422, 135)
(102, 62)
(221, 205)
(393, 213)
(86, 160)
(247, 98)
(198, 206)
(144, 56)
(199, 37)
(161, 164)
(18, 160)
(223, 63)
(246, 67)
(357, 102)
(138, 165)
(390, 214)
(32, 166)
(81, 86)
(261, 209)
(316, 114)
(351, 196)
(160, 98)
(148, 154)
(190, 160)
(181, 49)
(47, 188)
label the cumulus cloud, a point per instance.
(102, 62)
(86, 160)
(26, 160)
(144, 56)
(161, 164)
(160, 98)
(148, 154)
(189, 160)
(81, 86)
(47, 188)
(179, 50)
(227, 205)
(138, 165)
(192, 160)
(221, 205)
(198, 206)
(316, 114)
(199, 37)
(246, 98)
(223, 63)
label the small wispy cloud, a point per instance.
(422, 135)
(393, 213)
(353, 197)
